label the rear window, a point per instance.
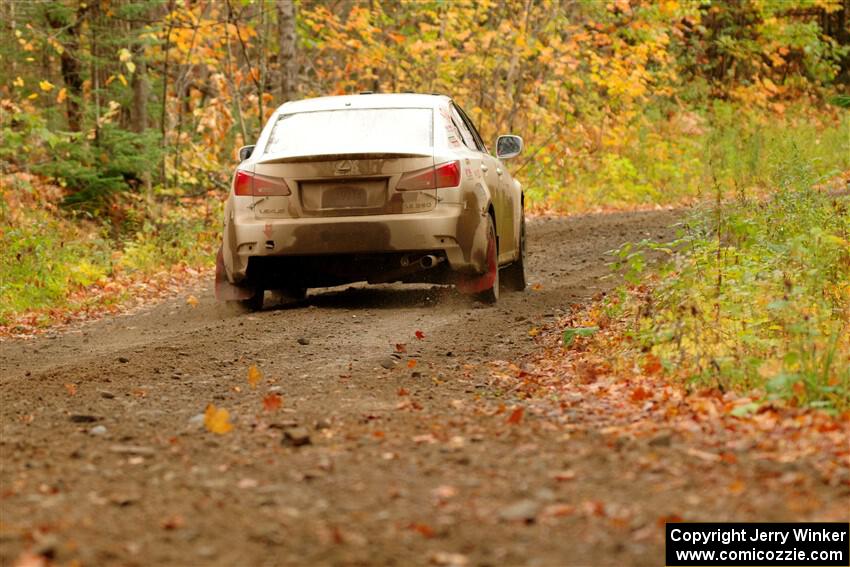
(352, 128)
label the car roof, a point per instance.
(365, 100)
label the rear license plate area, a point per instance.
(344, 197)
(361, 196)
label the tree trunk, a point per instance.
(516, 72)
(141, 91)
(258, 82)
(841, 33)
(286, 23)
(74, 82)
(162, 122)
(70, 63)
(94, 71)
(234, 93)
(181, 87)
(10, 17)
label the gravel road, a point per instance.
(375, 457)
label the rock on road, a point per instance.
(373, 457)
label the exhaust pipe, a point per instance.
(425, 262)
(429, 261)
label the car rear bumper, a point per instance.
(453, 228)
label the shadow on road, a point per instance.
(362, 296)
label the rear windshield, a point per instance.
(352, 128)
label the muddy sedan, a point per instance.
(372, 187)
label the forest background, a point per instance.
(121, 120)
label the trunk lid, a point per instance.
(346, 162)
(344, 184)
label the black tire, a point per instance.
(255, 303)
(491, 295)
(513, 276)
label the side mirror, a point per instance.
(508, 146)
(245, 152)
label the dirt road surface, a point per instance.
(105, 459)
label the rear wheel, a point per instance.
(513, 276)
(491, 295)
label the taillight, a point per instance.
(265, 185)
(242, 186)
(248, 183)
(445, 175)
(448, 174)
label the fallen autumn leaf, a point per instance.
(516, 416)
(272, 402)
(254, 375)
(217, 420)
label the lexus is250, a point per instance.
(376, 188)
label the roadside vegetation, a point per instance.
(120, 123)
(689, 158)
(755, 297)
(55, 262)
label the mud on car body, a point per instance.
(376, 188)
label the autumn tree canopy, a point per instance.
(184, 83)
